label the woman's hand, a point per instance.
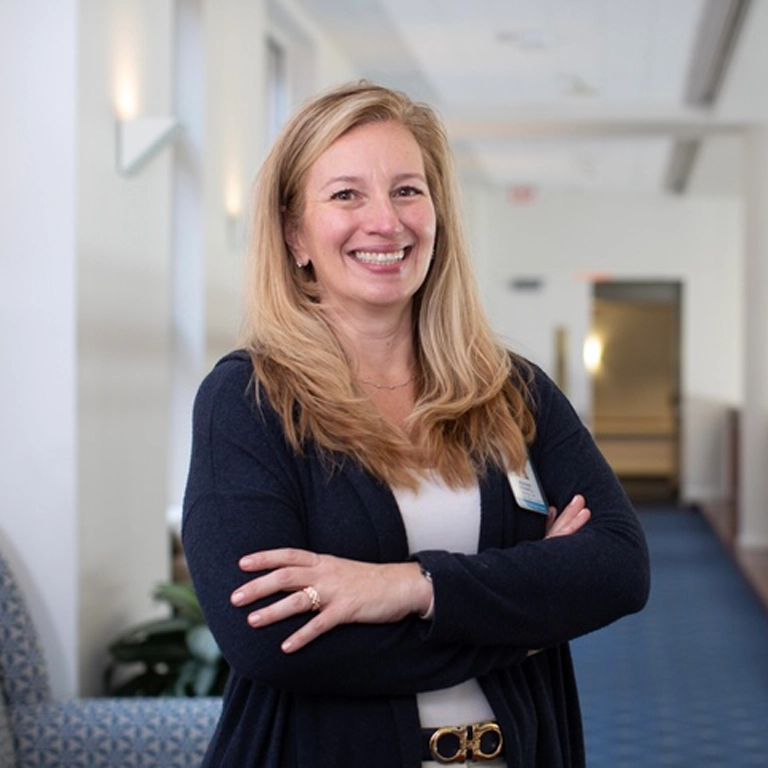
(340, 591)
(343, 591)
(573, 517)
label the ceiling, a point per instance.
(589, 95)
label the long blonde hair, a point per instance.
(472, 404)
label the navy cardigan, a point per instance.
(348, 699)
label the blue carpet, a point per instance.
(684, 682)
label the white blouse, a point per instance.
(439, 517)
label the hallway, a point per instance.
(685, 682)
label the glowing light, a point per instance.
(126, 101)
(233, 199)
(593, 353)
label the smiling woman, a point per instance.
(368, 225)
(367, 535)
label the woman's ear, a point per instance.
(293, 241)
(291, 234)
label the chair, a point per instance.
(36, 731)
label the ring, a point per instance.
(314, 598)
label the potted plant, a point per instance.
(174, 656)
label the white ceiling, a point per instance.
(549, 51)
(551, 94)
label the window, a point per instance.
(278, 91)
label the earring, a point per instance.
(300, 265)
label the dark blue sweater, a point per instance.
(348, 699)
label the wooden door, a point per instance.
(636, 387)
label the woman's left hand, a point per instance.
(340, 591)
(574, 516)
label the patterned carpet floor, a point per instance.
(685, 682)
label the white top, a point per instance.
(439, 517)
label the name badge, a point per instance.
(527, 489)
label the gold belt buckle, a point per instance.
(469, 739)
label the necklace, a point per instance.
(387, 386)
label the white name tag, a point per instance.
(527, 490)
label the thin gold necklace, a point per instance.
(387, 386)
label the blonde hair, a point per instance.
(472, 406)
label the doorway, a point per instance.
(636, 385)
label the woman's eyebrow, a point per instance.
(342, 180)
(358, 179)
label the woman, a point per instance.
(383, 594)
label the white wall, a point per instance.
(87, 293)
(235, 35)
(323, 64)
(123, 299)
(564, 239)
(38, 92)
(236, 142)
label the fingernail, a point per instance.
(254, 619)
(576, 498)
(245, 562)
(287, 645)
(238, 597)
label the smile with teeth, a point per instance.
(374, 257)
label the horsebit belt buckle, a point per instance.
(466, 742)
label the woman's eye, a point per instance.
(343, 194)
(408, 191)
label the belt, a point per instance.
(457, 744)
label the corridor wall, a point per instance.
(567, 240)
(38, 506)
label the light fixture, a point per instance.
(233, 207)
(140, 138)
(137, 137)
(126, 104)
(233, 199)
(593, 353)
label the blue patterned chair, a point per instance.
(36, 731)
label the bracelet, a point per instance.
(429, 613)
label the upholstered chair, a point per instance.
(36, 730)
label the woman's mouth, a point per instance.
(379, 258)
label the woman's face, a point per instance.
(368, 224)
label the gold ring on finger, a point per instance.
(314, 598)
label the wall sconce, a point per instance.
(233, 206)
(140, 138)
(137, 139)
(593, 353)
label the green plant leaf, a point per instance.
(185, 679)
(141, 632)
(206, 679)
(182, 598)
(202, 645)
(174, 656)
(152, 645)
(148, 683)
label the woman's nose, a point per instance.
(382, 216)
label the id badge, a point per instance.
(527, 489)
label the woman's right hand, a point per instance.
(573, 517)
(337, 590)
